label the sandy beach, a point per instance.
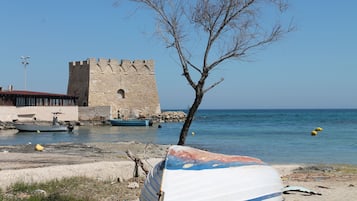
(110, 161)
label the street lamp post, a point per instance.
(25, 63)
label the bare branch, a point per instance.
(194, 67)
(213, 85)
(241, 48)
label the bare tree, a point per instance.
(220, 30)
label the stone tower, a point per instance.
(129, 87)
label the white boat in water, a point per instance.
(37, 127)
(33, 127)
(192, 174)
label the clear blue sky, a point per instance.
(313, 67)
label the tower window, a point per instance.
(121, 93)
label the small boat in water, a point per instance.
(131, 122)
(36, 127)
(192, 174)
(33, 127)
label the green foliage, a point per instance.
(1, 195)
(22, 187)
(68, 189)
(347, 169)
(72, 189)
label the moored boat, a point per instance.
(34, 127)
(130, 122)
(37, 127)
(192, 174)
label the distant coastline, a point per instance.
(164, 117)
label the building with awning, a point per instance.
(30, 98)
(29, 105)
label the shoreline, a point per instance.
(104, 160)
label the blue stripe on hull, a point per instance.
(177, 163)
(265, 197)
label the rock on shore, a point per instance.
(172, 116)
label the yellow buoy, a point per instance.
(193, 133)
(318, 129)
(313, 133)
(38, 147)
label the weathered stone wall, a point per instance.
(100, 113)
(78, 81)
(129, 87)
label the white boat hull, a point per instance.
(41, 128)
(200, 175)
(241, 183)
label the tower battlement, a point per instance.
(114, 65)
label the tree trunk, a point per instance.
(189, 118)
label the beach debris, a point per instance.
(38, 147)
(325, 187)
(133, 185)
(316, 168)
(40, 192)
(288, 189)
(120, 180)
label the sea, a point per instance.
(275, 136)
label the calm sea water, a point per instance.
(275, 136)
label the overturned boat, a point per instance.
(193, 174)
